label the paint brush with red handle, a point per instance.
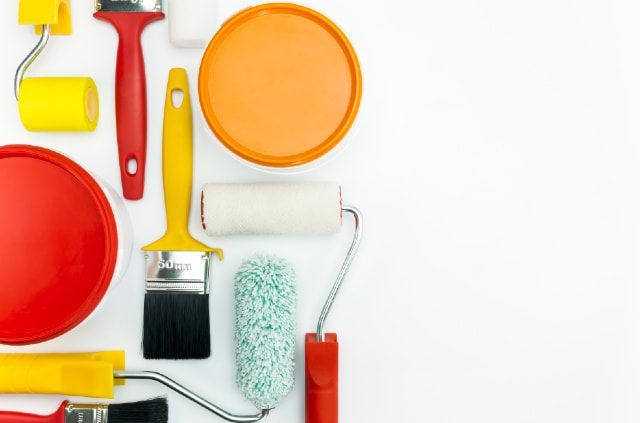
(129, 18)
(151, 411)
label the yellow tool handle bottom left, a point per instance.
(80, 374)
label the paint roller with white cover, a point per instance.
(272, 208)
(298, 209)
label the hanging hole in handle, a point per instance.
(177, 97)
(132, 166)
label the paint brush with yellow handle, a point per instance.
(176, 306)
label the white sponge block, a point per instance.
(192, 23)
(271, 208)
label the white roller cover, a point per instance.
(192, 23)
(271, 208)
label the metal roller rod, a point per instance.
(31, 57)
(343, 272)
(171, 384)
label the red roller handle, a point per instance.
(12, 417)
(321, 379)
(131, 96)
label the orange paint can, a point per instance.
(280, 85)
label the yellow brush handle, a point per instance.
(83, 374)
(177, 168)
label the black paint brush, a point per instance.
(151, 411)
(176, 305)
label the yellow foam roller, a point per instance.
(59, 104)
(82, 374)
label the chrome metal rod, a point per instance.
(24, 65)
(171, 384)
(343, 272)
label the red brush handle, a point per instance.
(321, 379)
(131, 96)
(12, 417)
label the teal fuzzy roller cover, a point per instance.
(265, 334)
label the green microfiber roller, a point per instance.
(265, 294)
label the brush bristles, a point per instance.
(152, 411)
(176, 326)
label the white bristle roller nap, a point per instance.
(192, 23)
(272, 208)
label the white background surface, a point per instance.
(496, 159)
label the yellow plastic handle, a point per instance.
(177, 168)
(81, 374)
(56, 13)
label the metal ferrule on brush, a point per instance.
(177, 272)
(129, 5)
(86, 413)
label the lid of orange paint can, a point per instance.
(280, 85)
(58, 248)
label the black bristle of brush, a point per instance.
(152, 411)
(176, 326)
